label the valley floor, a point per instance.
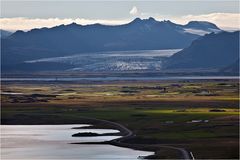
(201, 116)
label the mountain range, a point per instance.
(140, 34)
(67, 47)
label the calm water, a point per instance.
(53, 142)
(123, 78)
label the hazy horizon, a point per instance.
(26, 15)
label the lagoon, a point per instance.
(73, 79)
(54, 142)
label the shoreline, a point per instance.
(117, 78)
(128, 134)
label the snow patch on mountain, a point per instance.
(200, 32)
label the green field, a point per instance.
(201, 117)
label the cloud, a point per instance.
(223, 20)
(21, 23)
(134, 11)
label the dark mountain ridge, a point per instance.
(65, 40)
(210, 51)
(4, 33)
(146, 34)
(201, 25)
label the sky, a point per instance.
(28, 14)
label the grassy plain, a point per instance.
(201, 115)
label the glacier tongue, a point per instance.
(114, 61)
